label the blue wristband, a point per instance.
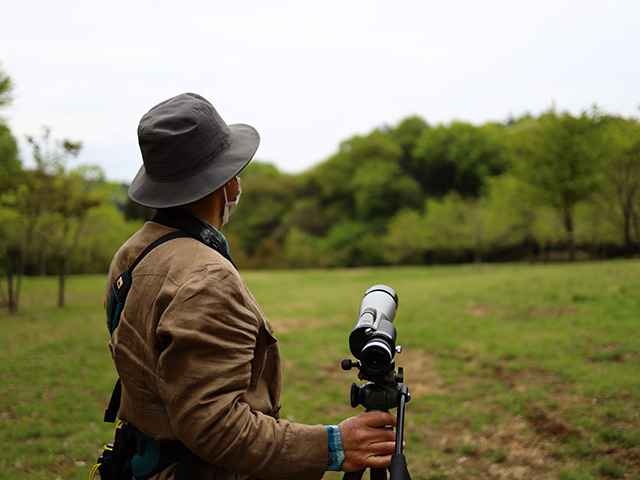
(336, 451)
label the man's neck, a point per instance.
(209, 209)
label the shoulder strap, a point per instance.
(121, 286)
(119, 292)
(159, 241)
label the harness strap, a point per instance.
(111, 413)
(119, 293)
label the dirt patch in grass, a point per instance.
(611, 353)
(506, 451)
(518, 447)
(420, 373)
(545, 422)
(284, 324)
(536, 442)
(539, 443)
(526, 376)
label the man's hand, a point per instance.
(365, 444)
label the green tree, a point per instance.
(347, 201)
(105, 230)
(331, 180)
(596, 231)
(51, 205)
(302, 250)
(74, 194)
(350, 243)
(9, 225)
(9, 160)
(365, 180)
(406, 135)
(51, 156)
(307, 215)
(513, 213)
(24, 198)
(476, 228)
(267, 196)
(621, 194)
(561, 159)
(6, 89)
(9, 165)
(380, 188)
(405, 240)
(460, 157)
(444, 221)
(327, 183)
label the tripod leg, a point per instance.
(403, 394)
(353, 475)
(398, 469)
(378, 474)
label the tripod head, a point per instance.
(380, 393)
(372, 342)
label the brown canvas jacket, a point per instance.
(199, 363)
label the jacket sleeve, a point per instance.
(206, 367)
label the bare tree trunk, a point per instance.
(3, 298)
(477, 255)
(62, 265)
(627, 212)
(529, 243)
(568, 225)
(42, 262)
(23, 254)
(13, 298)
(636, 227)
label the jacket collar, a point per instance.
(195, 226)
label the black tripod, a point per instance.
(381, 394)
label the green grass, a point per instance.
(515, 371)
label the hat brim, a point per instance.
(153, 194)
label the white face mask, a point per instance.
(229, 207)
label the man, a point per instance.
(198, 360)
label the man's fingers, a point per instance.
(382, 448)
(379, 462)
(378, 419)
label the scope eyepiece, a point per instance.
(377, 356)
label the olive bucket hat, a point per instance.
(188, 152)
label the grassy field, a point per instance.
(516, 371)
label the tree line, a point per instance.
(555, 186)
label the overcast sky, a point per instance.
(309, 75)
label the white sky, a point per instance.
(309, 75)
